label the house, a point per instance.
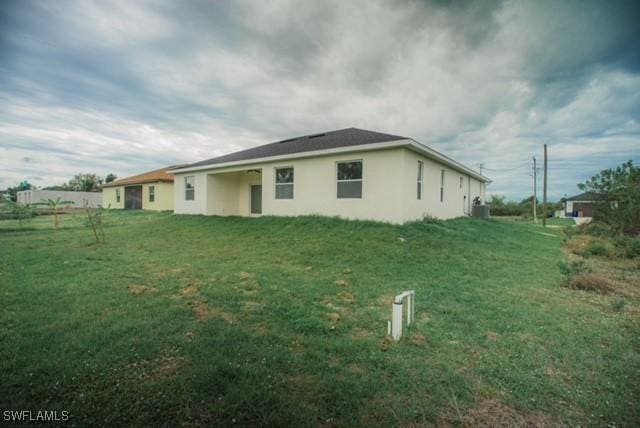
(152, 190)
(351, 173)
(582, 205)
(76, 199)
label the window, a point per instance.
(461, 182)
(442, 185)
(152, 193)
(284, 183)
(189, 189)
(350, 179)
(118, 195)
(420, 178)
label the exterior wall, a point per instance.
(199, 203)
(584, 208)
(78, 198)
(315, 187)
(388, 190)
(454, 203)
(109, 197)
(163, 200)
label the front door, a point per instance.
(256, 199)
(133, 198)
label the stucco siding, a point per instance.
(459, 189)
(389, 188)
(109, 199)
(163, 197)
(199, 203)
(77, 199)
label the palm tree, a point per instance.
(55, 205)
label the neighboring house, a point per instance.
(78, 199)
(351, 173)
(582, 205)
(152, 190)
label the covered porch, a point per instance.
(235, 193)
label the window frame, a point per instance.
(420, 182)
(192, 188)
(276, 184)
(442, 175)
(361, 179)
(117, 195)
(152, 193)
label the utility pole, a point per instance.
(535, 192)
(544, 190)
(481, 167)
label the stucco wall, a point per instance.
(388, 190)
(163, 197)
(78, 198)
(109, 197)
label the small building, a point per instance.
(152, 190)
(582, 205)
(351, 173)
(77, 199)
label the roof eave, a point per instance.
(408, 143)
(134, 183)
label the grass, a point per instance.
(197, 320)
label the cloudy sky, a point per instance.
(129, 86)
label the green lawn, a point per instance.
(191, 320)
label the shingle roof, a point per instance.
(307, 143)
(587, 196)
(147, 177)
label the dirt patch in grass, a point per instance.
(347, 297)
(386, 299)
(385, 344)
(141, 289)
(189, 290)
(202, 311)
(492, 336)
(360, 333)
(342, 283)
(491, 412)
(591, 282)
(333, 318)
(417, 339)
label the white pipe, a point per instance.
(396, 313)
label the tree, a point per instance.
(13, 191)
(110, 177)
(55, 205)
(84, 183)
(618, 197)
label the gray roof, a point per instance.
(586, 196)
(307, 143)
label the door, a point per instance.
(133, 198)
(256, 199)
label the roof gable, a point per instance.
(147, 177)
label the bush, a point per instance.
(571, 269)
(627, 246)
(596, 248)
(618, 304)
